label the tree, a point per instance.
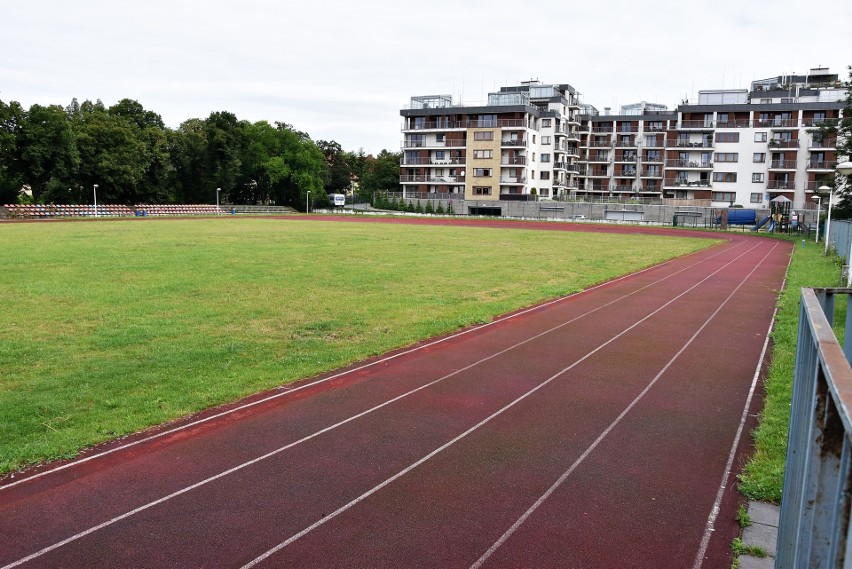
(46, 152)
(382, 172)
(841, 132)
(339, 176)
(11, 116)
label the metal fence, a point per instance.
(814, 529)
(840, 237)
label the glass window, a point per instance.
(545, 157)
(759, 157)
(757, 177)
(483, 135)
(756, 198)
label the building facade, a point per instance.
(733, 147)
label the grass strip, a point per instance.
(763, 476)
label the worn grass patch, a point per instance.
(763, 476)
(110, 327)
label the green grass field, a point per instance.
(110, 327)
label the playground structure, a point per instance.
(780, 218)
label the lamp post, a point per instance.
(308, 202)
(828, 218)
(95, 192)
(819, 207)
(217, 200)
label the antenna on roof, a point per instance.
(531, 82)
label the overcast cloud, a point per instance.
(343, 70)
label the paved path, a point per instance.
(594, 431)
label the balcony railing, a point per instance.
(742, 123)
(598, 172)
(651, 173)
(687, 164)
(513, 143)
(430, 179)
(517, 161)
(827, 144)
(782, 165)
(783, 123)
(775, 143)
(776, 185)
(814, 185)
(652, 158)
(623, 189)
(626, 144)
(626, 158)
(602, 130)
(693, 125)
(821, 165)
(432, 161)
(599, 158)
(689, 143)
(513, 181)
(600, 144)
(811, 123)
(681, 183)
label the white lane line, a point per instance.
(386, 359)
(497, 413)
(709, 528)
(177, 493)
(497, 544)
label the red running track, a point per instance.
(599, 430)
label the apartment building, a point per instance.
(522, 144)
(731, 147)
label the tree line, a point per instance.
(59, 154)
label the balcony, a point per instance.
(782, 165)
(625, 174)
(514, 143)
(602, 130)
(817, 123)
(626, 144)
(814, 185)
(783, 124)
(701, 125)
(654, 142)
(683, 183)
(652, 158)
(780, 185)
(688, 165)
(516, 161)
(626, 158)
(435, 125)
(446, 143)
(822, 165)
(559, 165)
(597, 172)
(513, 181)
(652, 173)
(742, 123)
(788, 144)
(623, 189)
(432, 161)
(430, 179)
(697, 144)
(599, 157)
(600, 144)
(827, 144)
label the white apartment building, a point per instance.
(522, 144)
(732, 147)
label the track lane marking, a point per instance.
(505, 408)
(290, 390)
(270, 454)
(514, 527)
(709, 527)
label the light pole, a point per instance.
(308, 202)
(819, 207)
(828, 218)
(95, 191)
(217, 200)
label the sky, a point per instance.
(342, 70)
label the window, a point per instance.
(439, 137)
(545, 175)
(655, 126)
(482, 172)
(757, 177)
(759, 157)
(724, 177)
(545, 123)
(482, 190)
(756, 198)
(652, 141)
(533, 139)
(483, 135)
(727, 137)
(545, 157)
(478, 154)
(545, 140)
(727, 157)
(532, 175)
(439, 154)
(724, 197)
